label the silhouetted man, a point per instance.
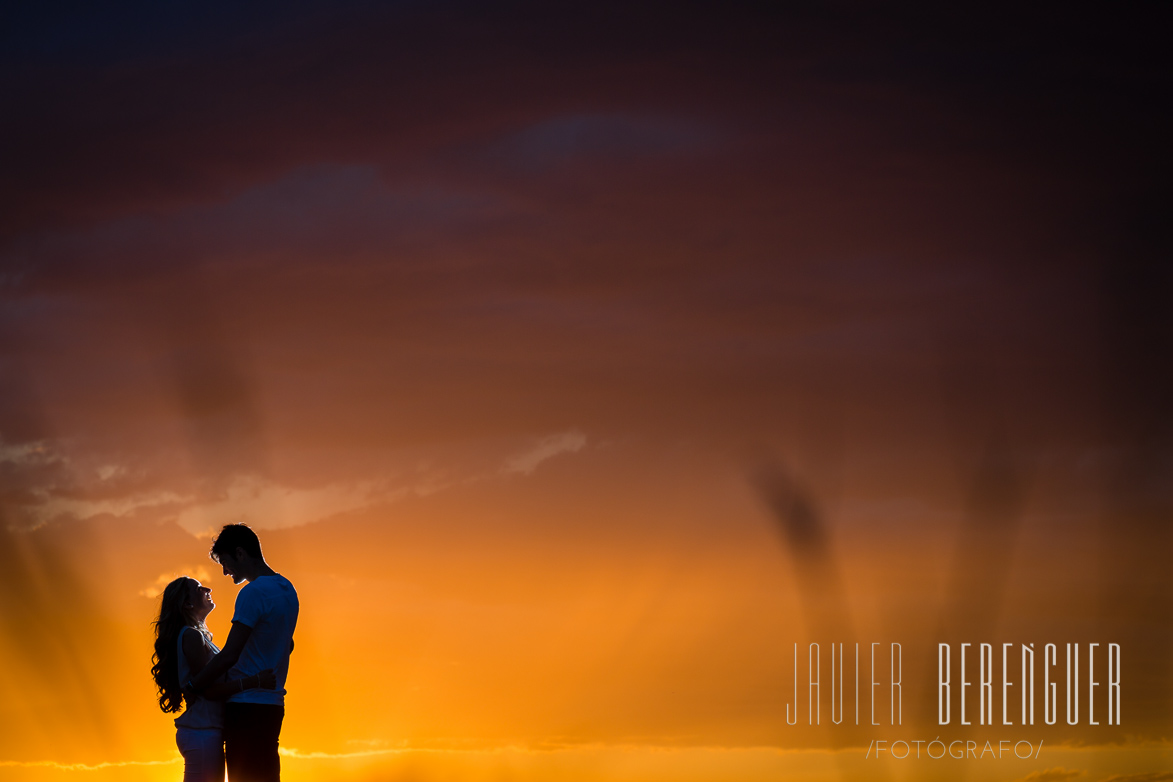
(261, 637)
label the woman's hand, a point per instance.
(267, 679)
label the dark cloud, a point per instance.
(181, 105)
(378, 224)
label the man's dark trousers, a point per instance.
(251, 731)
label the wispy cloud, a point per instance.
(85, 766)
(291, 752)
(548, 447)
(35, 452)
(99, 486)
(119, 506)
(1149, 776)
(269, 505)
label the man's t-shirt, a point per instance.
(269, 606)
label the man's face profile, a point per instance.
(231, 566)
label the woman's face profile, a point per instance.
(200, 599)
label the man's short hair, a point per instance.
(235, 536)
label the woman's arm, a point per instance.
(196, 650)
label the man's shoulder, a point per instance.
(250, 588)
(274, 585)
(283, 584)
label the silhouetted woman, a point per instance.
(183, 646)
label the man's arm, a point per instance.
(237, 637)
(198, 654)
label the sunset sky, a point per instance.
(575, 362)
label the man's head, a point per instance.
(238, 550)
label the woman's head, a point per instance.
(198, 603)
(185, 603)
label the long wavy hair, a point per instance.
(175, 613)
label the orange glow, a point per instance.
(582, 365)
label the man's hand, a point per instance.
(267, 679)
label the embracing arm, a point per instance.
(222, 691)
(198, 655)
(217, 666)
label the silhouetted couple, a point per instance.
(235, 696)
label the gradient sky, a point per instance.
(575, 363)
